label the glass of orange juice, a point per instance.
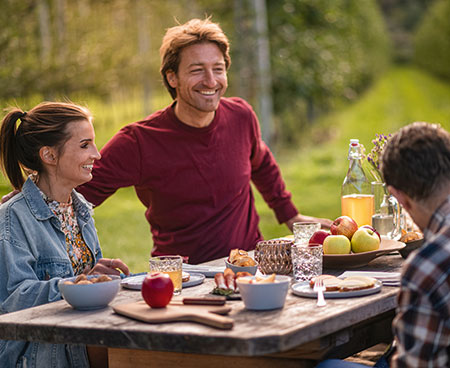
(171, 265)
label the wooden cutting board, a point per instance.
(206, 314)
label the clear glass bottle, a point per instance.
(357, 200)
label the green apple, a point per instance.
(336, 244)
(365, 240)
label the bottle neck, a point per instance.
(354, 152)
(355, 181)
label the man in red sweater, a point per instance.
(192, 163)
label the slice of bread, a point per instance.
(331, 282)
(411, 236)
(354, 283)
(240, 257)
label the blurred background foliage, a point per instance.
(321, 52)
(432, 40)
(318, 72)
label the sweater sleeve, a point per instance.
(118, 167)
(266, 176)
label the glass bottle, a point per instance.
(357, 200)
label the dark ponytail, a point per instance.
(9, 148)
(23, 134)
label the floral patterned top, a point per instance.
(79, 253)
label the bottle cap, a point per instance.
(354, 149)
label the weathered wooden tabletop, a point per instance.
(299, 330)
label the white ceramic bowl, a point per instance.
(236, 269)
(90, 296)
(264, 296)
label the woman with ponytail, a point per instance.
(46, 230)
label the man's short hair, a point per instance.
(193, 32)
(416, 160)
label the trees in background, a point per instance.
(323, 51)
(402, 18)
(303, 54)
(432, 40)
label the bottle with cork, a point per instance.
(357, 200)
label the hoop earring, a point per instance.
(34, 176)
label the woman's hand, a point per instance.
(109, 266)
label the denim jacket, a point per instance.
(33, 258)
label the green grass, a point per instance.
(313, 172)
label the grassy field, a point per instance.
(313, 172)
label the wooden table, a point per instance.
(298, 335)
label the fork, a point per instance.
(319, 287)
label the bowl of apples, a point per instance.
(349, 246)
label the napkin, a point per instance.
(387, 278)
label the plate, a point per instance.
(194, 280)
(344, 261)
(303, 289)
(208, 271)
(135, 282)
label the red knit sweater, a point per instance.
(195, 182)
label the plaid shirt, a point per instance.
(422, 323)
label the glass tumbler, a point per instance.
(306, 261)
(304, 230)
(171, 265)
(274, 256)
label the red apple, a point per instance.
(344, 225)
(373, 229)
(157, 289)
(318, 237)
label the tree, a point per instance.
(432, 40)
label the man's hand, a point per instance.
(8, 196)
(324, 223)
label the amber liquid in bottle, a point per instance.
(357, 200)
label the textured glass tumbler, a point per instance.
(274, 256)
(304, 230)
(171, 265)
(306, 261)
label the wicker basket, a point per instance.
(274, 256)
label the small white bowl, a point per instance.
(90, 296)
(250, 269)
(263, 296)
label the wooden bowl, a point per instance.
(410, 247)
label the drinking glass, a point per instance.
(378, 191)
(304, 230)
(306, 261)
(171, 265)
(274, 256)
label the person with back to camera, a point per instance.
(192, 163)
(416, 169)
(47, 231)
